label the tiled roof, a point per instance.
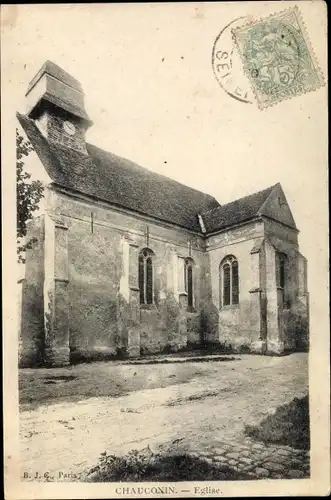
(55, 71)
(119, 181)
(235, 212)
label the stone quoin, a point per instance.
(129, 262)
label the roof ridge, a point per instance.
(240, 199)
(249, 195)
(254, 194)
(132, 163)
(112, 178)
(147, 170)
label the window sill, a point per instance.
(231, 306)
(191, 310)
(147, 307)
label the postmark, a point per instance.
(227, 65)
(277, 57)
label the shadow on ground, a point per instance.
(289, 425)
(44, 386)
(158, 361)
(148, 466)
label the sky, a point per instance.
(150, 90)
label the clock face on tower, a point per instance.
(69, 127)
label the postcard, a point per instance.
(165, 250)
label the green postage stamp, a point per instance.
(277, 57)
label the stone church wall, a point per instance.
(264, 316)
(97, 292)
(80, 293)
(295, 309)
(104, 319)
(94, 274)
(237, 324)
(31, 334)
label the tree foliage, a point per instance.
(29, 193)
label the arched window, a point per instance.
(229, 281)
(146, 276)
(281, 275)
(188, 280)
(282, 264)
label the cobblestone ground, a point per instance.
(257, 460)
(204, 413)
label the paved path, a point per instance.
(257, 460)
(208, 412)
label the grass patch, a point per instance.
(145, 465)
(199, 397)
(288, 426)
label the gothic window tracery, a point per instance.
(146, 276)
(229, 281)
(188, 281)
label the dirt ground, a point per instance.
(44, 386)
(115, 407)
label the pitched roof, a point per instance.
(119, 181)
(235, 212)
(55, 71)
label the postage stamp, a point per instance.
(278, 58)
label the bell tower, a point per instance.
(55, 100)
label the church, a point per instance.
(126, 262)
